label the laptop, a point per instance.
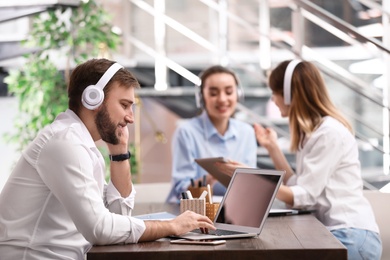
(277, 209)
(245, 205)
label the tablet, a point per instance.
(208, 164)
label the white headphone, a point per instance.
(287, 80)
(93, 95)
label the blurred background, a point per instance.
(167, 43)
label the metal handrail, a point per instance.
(329, 68)
(340, 74)
(169, 63)
(340, 24)
(353, 82)
(374, 5)
(11, 10)
(191, 35)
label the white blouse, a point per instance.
(328, 179)
(56, 203)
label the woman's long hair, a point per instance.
(310, 101)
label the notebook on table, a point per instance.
(245, 206)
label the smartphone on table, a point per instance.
(211, 242)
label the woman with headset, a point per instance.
(327, 177)
(214, 133)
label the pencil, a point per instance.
(209, 194)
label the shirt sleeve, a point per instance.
(292, 180)
(183, 165)
(67, 170)
(116, 203)
(320, 158)
(250, 158)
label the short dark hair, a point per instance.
(89, 73)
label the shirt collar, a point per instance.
(208, 126)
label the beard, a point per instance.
(105, 126)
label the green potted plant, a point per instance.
(70, 34)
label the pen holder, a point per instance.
(195, 205)
(211, 210)
(196, 192)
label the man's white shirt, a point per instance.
(56, 203)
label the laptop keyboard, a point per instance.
(219, 232)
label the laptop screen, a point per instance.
(249, 197)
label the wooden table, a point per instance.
(285, 237)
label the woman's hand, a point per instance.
(267, 137)
(229, 166)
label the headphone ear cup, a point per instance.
(240, 94)
(92, 97)
(199, 98)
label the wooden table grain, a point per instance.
(283, 237)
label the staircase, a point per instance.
(15, 15)
(253, 36)
(167, 44)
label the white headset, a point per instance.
(287, 80)
(93, 95)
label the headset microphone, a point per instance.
(93, 95)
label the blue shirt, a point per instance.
(198, 138)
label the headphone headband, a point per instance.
(108, 75)
(287, 80)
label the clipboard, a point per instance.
(208, 164)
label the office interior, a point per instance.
(166, 52)
(167, 43)
(250, 37)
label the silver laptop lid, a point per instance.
(248, 200)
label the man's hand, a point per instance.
(190, 220)
(120, 172)
(182, 224)
(122, 147)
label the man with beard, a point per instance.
(56, 203)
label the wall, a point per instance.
(156, 157)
